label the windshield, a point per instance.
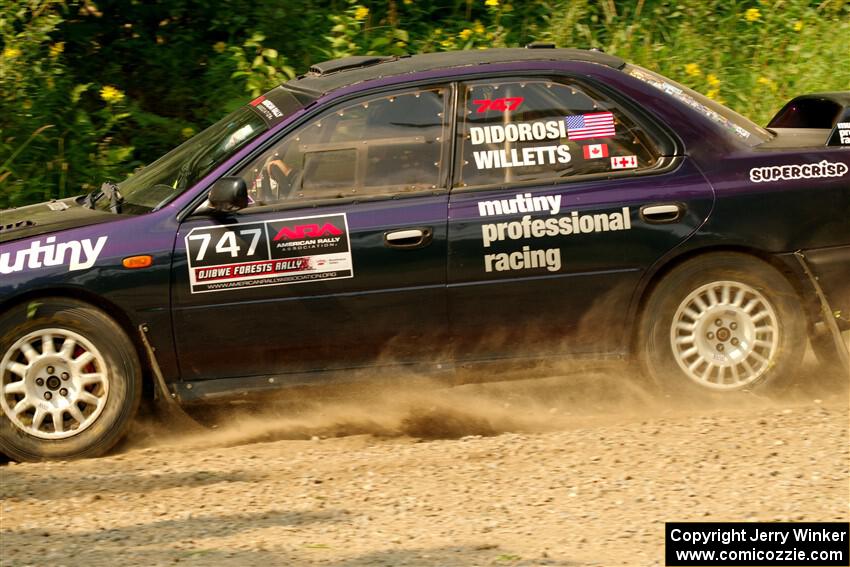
(748, 131)
(169, 176)
(173, 173)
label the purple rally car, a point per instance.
(432, 212)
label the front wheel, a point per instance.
(70, 381)
(722, 323)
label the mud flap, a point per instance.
(166, 404)
(841, 350)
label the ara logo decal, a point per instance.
(77, 254)
(303, 231)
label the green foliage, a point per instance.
(92, 89)
(261, 67)
(57, 135)
(752, 56)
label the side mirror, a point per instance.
(229, 194)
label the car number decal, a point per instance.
(266, 253)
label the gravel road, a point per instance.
(575, 470)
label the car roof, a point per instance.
(327, 76)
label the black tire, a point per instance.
(778, 336)
(114, 366)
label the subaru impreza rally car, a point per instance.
(424, 212)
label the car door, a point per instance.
(563, 197)
(339, 261)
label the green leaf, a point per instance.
(379, 42)
(32, 308)
(78, 91)
(402, 35)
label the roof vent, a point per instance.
(540, 45)
(16, 225)
(345, 63)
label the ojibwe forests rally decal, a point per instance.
(266, 253)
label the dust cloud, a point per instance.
(539, 398)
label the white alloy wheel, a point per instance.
(54, 383)
(725, 335)
(721, 325)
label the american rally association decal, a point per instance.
(803, 171)
(274, 252)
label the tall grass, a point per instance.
(751, 56)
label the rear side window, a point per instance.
(386, 144)
(520, 131)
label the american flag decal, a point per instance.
(587, 126)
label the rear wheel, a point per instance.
(722, 323)
(70, 381)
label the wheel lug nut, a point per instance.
(733, 326)
(720, 347)
(39, 381)
(47, 395)
(65, 375)
(709, 335)
(50, 370)
(63, 391)
(735, 341)
(718, 322)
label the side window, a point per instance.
(383, 145)
(541, 130)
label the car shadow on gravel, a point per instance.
(127, 545)
(460, 555)
(18, 486)
(116, 547)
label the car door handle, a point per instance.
(408, 238)
(670, 212)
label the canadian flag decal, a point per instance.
(594, 151)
